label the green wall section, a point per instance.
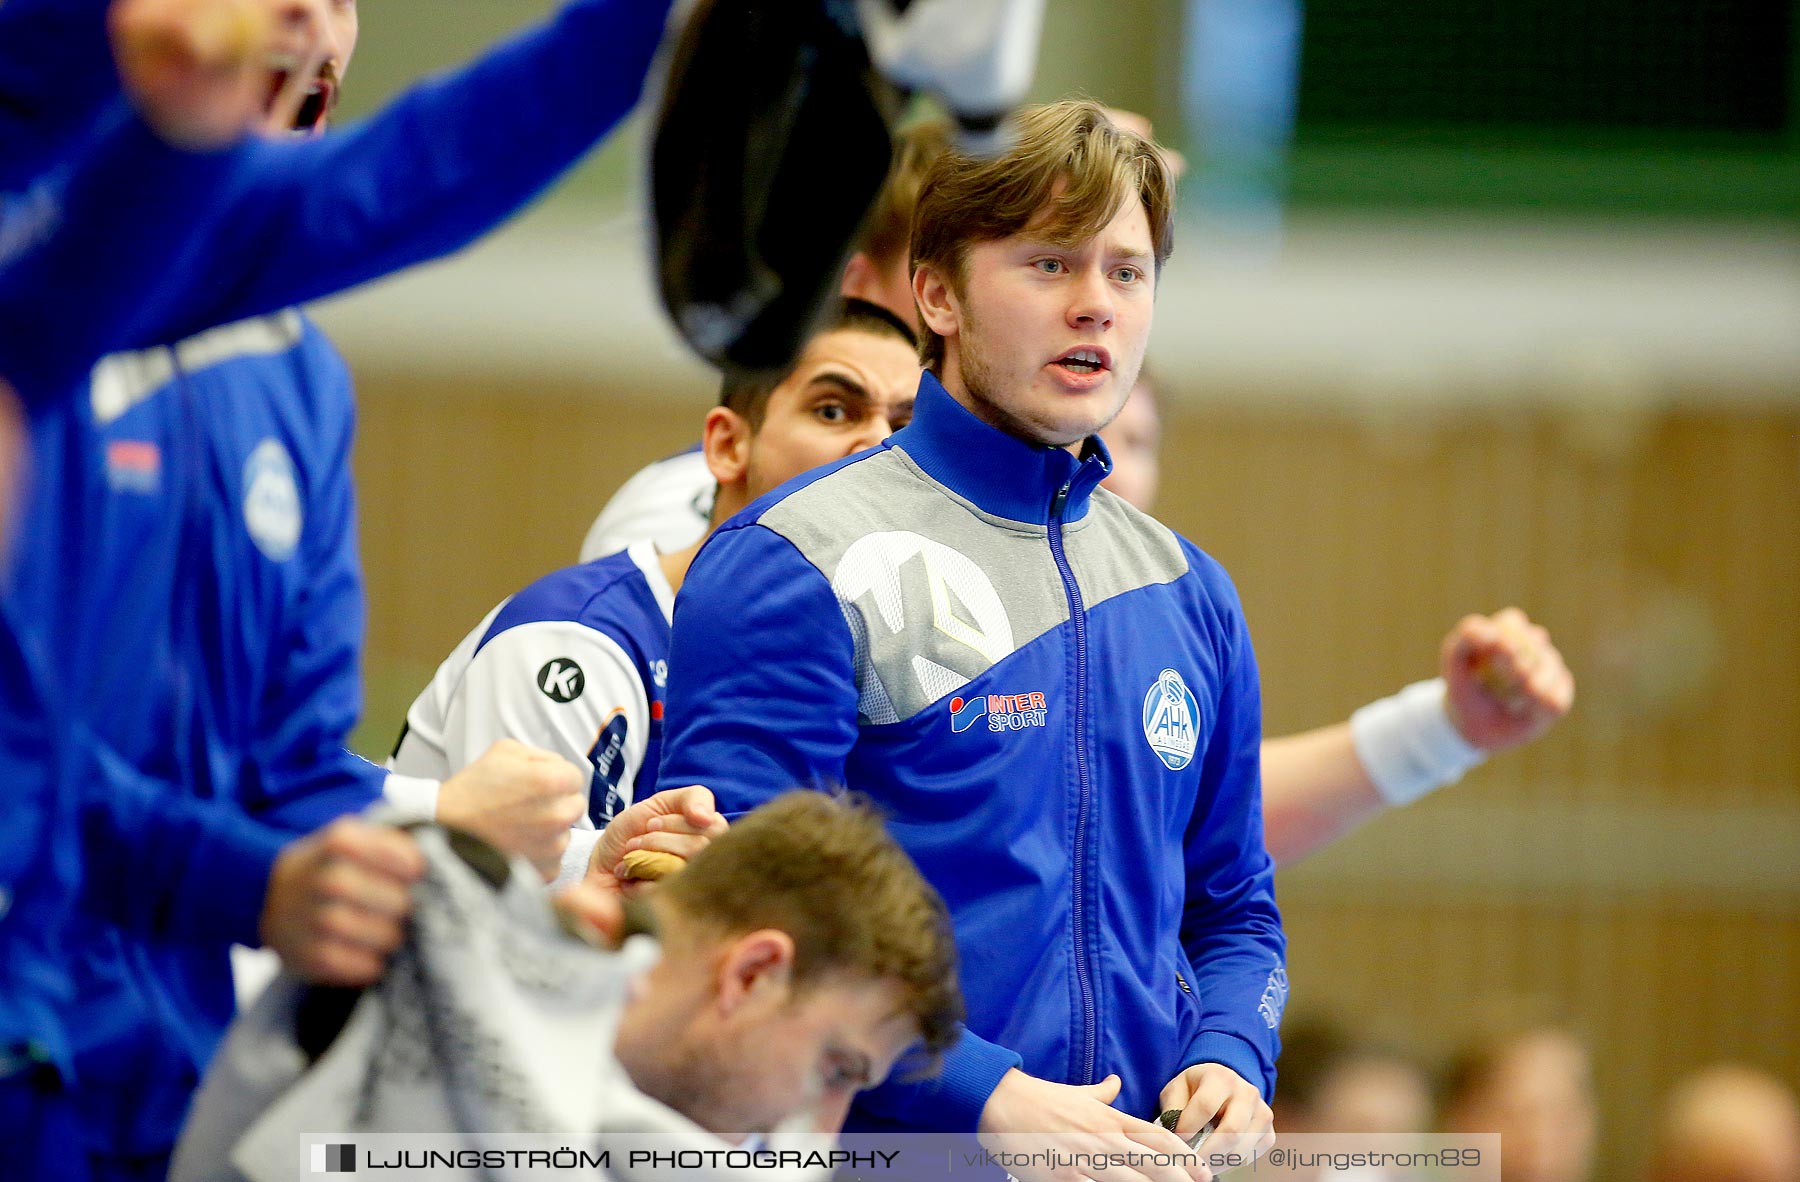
(1615, 176)
(1680, 107)
(1394, 113)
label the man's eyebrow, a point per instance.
(1123, 250)
(846, 385)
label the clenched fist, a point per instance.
(338, 901)
(1506, 683)
(678, 822)
(519, 799)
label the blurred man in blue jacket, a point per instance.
(189, 568)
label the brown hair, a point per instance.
(824, 870)
(887, 234)
(747, 391)
(1071, 167)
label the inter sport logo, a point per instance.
(1004, 712)
(134, 465)
(1170, 720)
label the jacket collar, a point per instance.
(996, 472)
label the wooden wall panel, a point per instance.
(1670, 574)
(468, 494)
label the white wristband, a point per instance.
(411, 798)
(576, 857)
(1409, 746)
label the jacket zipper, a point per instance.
(191, 756)
(1083, 973)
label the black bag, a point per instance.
(770, 146)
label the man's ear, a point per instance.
(936, 300)
(861, 279)
(755, 968)
(725, 441)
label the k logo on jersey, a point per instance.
(1171, 720)
(561, 680)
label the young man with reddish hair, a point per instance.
(802, 955)
(1052, 696)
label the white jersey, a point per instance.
(668, 503)
(576, 663)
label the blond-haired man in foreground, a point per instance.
(1052, 695)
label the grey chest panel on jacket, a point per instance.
(935, 591)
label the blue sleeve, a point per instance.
(431, 172)
(304, 777)
(1229, 925)
(40, 855)
(762, 682)
(56, 76)
(296, 220)
(163, 864)
(952, 1100)
(79, 262)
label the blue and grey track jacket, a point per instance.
(209, 484)
(208, 239)
(1053, 699)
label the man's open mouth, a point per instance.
(314, 107)
(320, 98)
(1084, 361)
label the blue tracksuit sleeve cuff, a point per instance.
(971, 1072)
(230, 871)
(1214, 1046)
(952, 1100)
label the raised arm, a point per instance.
(437, 168)
(215, 237)
(1502, 683)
